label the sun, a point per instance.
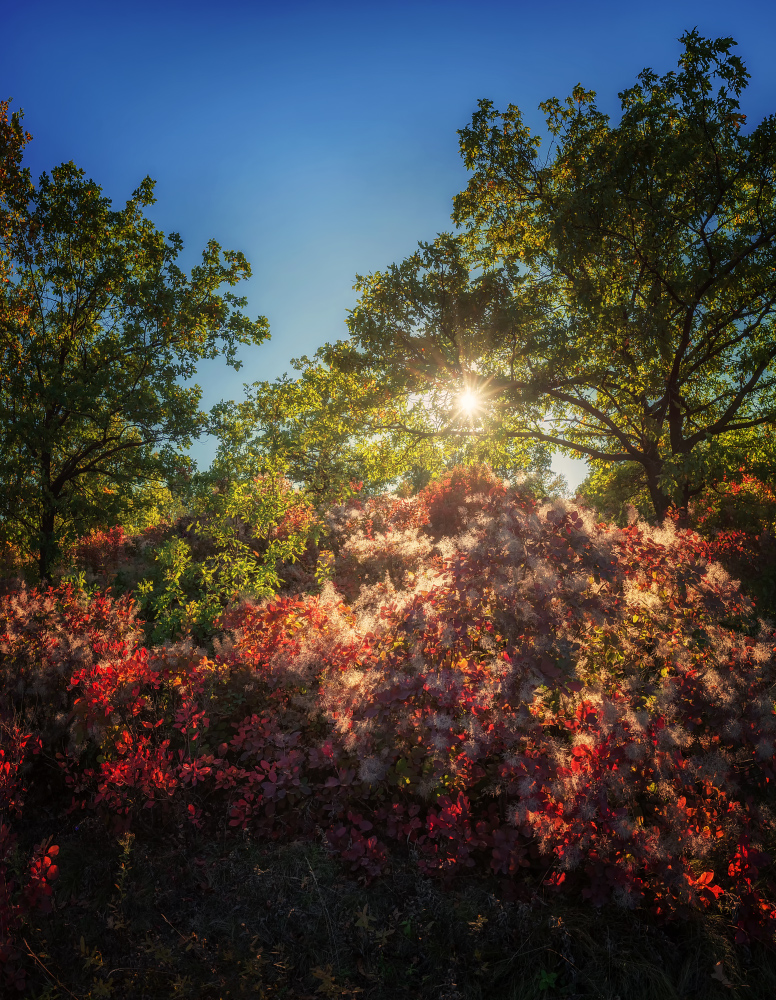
(469, 401)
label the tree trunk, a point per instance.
(660, 501)
(47, 544)
(683, 520)
(46, 541)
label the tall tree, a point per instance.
(98, 328)
(14, 180)
(327, 429)
(614, 298)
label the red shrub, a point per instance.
(506, 686)
(102, 551)
(744, 504)
(45, 635)
(19, 901)
(738, 517)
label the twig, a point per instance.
(332, 935)
(35, 958)
(554, 952)
(182, 936)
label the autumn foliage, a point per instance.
(738, 517)
(475, 679)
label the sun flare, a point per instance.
(469, 401)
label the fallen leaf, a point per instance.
(719, 974)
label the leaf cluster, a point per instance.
(611, 295)
(99, 331)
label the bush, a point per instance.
(24, 887)
(535, 692)
(738, 517)
(484, 684)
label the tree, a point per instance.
(14, 179)
(98, 329)
(615, 299)
(614, 488)
(304, 428)
(328, 429)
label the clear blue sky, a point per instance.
(320, 138)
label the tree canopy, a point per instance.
(331, 431)
(613, 298)
(99, 327)
(13, 178)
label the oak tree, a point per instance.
(327, 429)
(613, 297)
(99, 331)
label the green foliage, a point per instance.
(315, 429)
(237, 537)
(335, 431)
(614, 299)
(150, 502)
(164, 600)
(98, 330)
(613, 489)
(77, 580)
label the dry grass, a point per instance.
(161, 916)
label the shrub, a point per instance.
(102, 552)
(24, 889)
(487, 682)
(738, 517)
(233, 545)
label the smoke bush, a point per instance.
(494, 683)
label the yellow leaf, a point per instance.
(364, 917)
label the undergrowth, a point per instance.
(470, 744)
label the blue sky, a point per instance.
(320, 138)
